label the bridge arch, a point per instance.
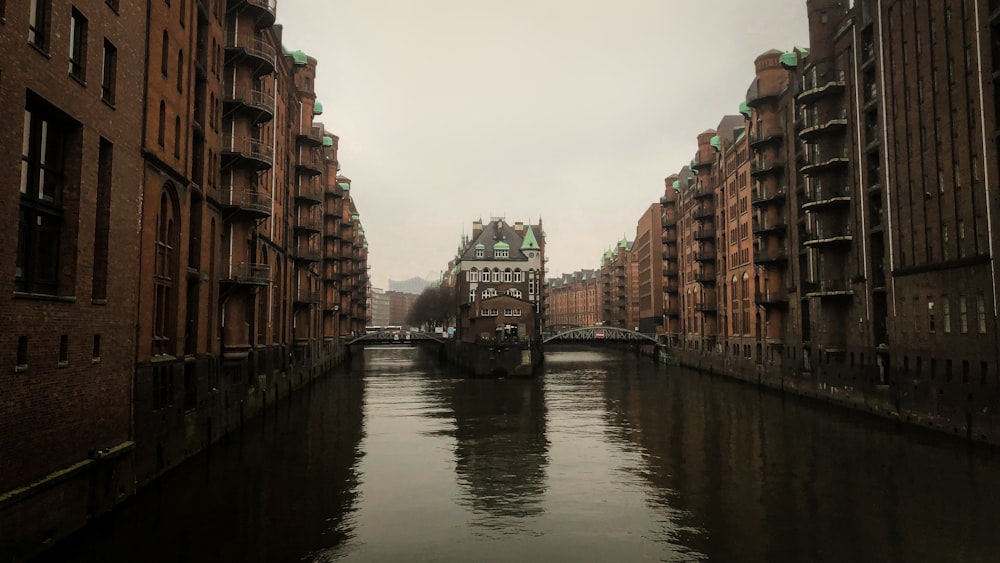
(601, 334)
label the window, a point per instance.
(95, 355)
(22, 354)
(489, 292)
(163, 273)
(162, 123)
(41, 231)
(177, 137)
(500, 253)
(102, 222)
(916, 314)
(63, 351)
(110, 70)
(77, 45)
(479, 252)
(508, 276)
(180, 70)
(531, 287)
(930, 315)
(473, 276)
(164, 52)
(981, 313)
(472, 296)
(946, 312)
(514, 293)
(38, 24)
(486, 275)
(963, 315)
(518, 276)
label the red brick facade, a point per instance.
(174, 267)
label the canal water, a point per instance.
(606, 457)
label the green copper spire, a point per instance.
(529, 241)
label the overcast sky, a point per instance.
(570, 110)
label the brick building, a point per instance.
(177, 142)
(648, 281)
(619, 286)
(872, 280)
(575, 299)
(400, 304)
(498, 279)
(72, 114)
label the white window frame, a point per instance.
(474, 276)
(508, 276)
(518, 276)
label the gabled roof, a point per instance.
(530, 242)
(500, 235)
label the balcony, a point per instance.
(818, 198)
(819, 161)
(761, 166)
(246, 273)
(761, 196)
(308, 224)
(756, 97)
(832, 288)
(771, 298)
(258, 154)
(256, 104)
(699, 163)
(704, 211)
(669, 271)
(669, 236)
(814, 88)
(822, 239)
(701, 191)
(703, 278)
(704, 232)
(761, 139)
(306, 296)
(672, 310)
(669, 220)
(259, 54)
(313, 137)
(708, 306)
(671, 286)
(262, 11)
(815, 126)
(246, 200)
(769, 225)
(309, 192)
(769, 255)
(305, 252)
(310, 162)
(705, 255)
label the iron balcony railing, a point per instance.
(253, 46)
(248, 147)
(247, 199)
(249, 273)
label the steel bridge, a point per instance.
(395, 339)
(601, 334)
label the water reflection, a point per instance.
(750, 476)
(284, 486)
(501, 449)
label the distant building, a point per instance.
(574, 299)
(648, 281)
(400, 305)
(413, 285)
(379, 307)
(499, 281)
(619, 286)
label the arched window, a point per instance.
(164, 53)
(180, 70)
(177, 137)
(164, 281)
(162, 123)
(490, 292)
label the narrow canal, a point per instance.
(605, 457)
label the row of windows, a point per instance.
(492, 292)
(21, 364)
(931, 322)
(496, 312)
(77, 49)
(508, 276)
(497, 253)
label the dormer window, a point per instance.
(480, 250)
(501, 253)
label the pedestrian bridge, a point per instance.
(597, 334)
(402, 338)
